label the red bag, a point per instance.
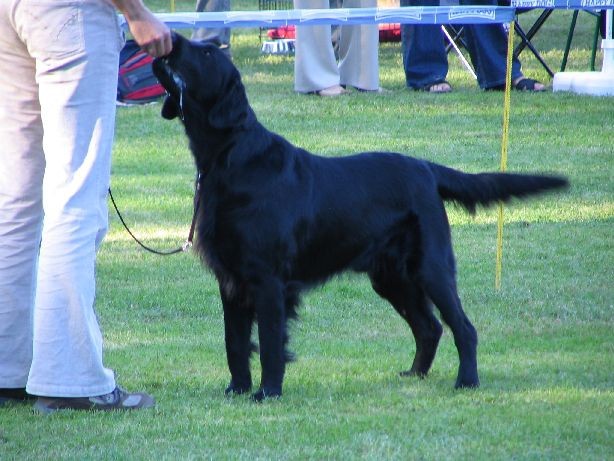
(387, 32)
(282, 32)
(136, 83)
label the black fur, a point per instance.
(275, 220)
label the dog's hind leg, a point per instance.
(436, 272)
(238, 322)
(409, 300)
(439, 283)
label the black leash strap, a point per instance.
(187, 244)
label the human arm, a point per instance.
(148, 31)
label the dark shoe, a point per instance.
(528, 84)
(14, 395)
(522, 84)
(119, 399)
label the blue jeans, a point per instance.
(425, 59)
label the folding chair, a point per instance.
(572, 28)
(525, 38)
(454, 35)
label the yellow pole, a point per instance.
(172, 6)
(504, 144)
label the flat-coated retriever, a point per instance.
(275, 219)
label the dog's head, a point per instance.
(202, 82)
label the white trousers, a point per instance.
(58, 81)
(222, 34)
(315, 66)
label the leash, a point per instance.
(504, 146)
(187, 244)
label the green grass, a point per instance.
(546, 354)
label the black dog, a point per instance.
(275, 219)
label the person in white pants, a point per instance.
(218, 35)
(315, 67)
(58, 83)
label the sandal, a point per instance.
(332, 91)
(521, 84)
(527, 84)
(438, 87)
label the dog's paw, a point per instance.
(467, 384)
(412, 372)
(236, 389)
(265, 394)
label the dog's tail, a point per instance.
(470, 190)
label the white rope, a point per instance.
(460, 54)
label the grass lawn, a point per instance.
(546, 353)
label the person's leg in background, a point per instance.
(315, 66)
(358, 51)
(219, 35)
(487, 46)
(425, 60)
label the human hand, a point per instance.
(152, 35)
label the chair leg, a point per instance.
(572, 28)
(595, 40)
(457, 35)
(526, 38)
(526, 41)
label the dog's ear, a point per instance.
(170, 109)
(232, 109)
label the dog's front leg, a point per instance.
(238, 321)
(270, 310)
